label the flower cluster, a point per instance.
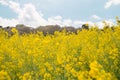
(86, 55)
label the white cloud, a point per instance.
(110, 22)
(80, 23)
(68, 22)
(58, 17)
(8, 22)
(96, 17)
(100, 24)
(13, 5)
(3, 2)
(28, 15)
(57, 20)
(111, 2)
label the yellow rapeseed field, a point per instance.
(88, 55)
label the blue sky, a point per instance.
(62, 12)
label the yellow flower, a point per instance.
(4, 75)
(27, 76)
(15, 31)
(47, 76)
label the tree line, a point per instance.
(50, 29)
